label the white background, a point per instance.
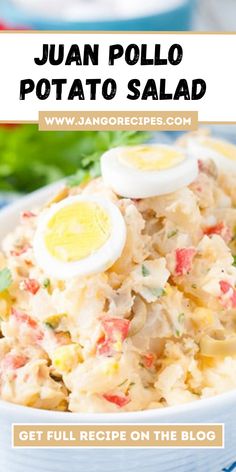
(206, 56)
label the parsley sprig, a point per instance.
(31, 159)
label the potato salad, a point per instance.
(120, 294)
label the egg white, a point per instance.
(99, 261)
(131, 182)
(197, 148)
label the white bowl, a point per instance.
(219, 409)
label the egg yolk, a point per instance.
(225, 149)
(151, 158)
(77, 230)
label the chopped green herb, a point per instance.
(177, 333)
(157, 292)
(145, 271)
(194, 286)
(5, 279)
(46, 283)
(181, 318)
(234, 263)
(171, 234)
(123, 383)
(131, 384)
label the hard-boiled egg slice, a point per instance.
(220, 151)
(147, 170)
(79, 236)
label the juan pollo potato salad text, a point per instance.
(120, 295)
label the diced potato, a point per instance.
(67, 357)
(63, 406)
(110, 367)
(33, 399)
(203, 317)
(63, 337)
(168, 289)
(5, 305)
(2, 261)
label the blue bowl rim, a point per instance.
(20, 15)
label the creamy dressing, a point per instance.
(96, 9)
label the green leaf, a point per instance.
(46, 283)
(31, 159)
(157, 292)
(145, 271)
(5, 279)
(78, 178)
(234, 263)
